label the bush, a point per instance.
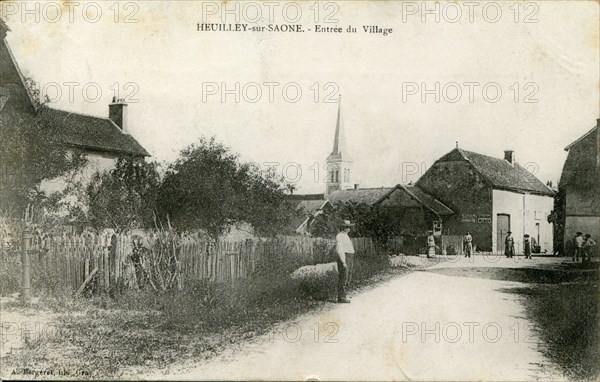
(10, 272)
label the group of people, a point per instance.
(509, 245)
(583, 246)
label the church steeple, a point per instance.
(339, 140)
(339, 163)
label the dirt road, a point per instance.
(428, 325)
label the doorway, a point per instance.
(502, 227)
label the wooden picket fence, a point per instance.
(108, 260)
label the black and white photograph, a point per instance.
(313, 190)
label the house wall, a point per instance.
(525, 210)
(459, 186)
(582, 211)
(583, 201)
(96, 162)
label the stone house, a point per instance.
(102, 139)
(580, 182)
(489, 197)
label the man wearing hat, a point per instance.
(345, 260)
(509, 245)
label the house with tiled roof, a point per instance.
(102, 139)
(489, 197)
(580, 182)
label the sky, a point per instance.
(543, 56)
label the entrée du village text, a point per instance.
(289, 28)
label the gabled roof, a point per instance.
(305, 197)
(372, 196)
(305, 209)
(75, 129)
(432, 203)
(362, 195)
(582, 167)
(592, 131)
(498, 173)
(93, 133)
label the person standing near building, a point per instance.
(430, 244)
(527, 246)
(509, 245)
(578, 246)
(589, 246)
(468, 244)
(345, 259)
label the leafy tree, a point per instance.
(125, 196)
(31, 152)
(208, 187)
(375, 221)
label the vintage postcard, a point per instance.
(299, 190)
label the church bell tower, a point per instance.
(339, 163)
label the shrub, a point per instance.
(10, 272)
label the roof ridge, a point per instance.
(78, 113)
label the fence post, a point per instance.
(26, 271)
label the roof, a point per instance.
(429, 201)
(593, 130)
(85, 131)
(582, 165)
(305, 197)
(361, 195)
(93, 133)
(499, 173)
(3, 25)
(306, 209)
(372, 196)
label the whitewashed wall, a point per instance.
(525, 211)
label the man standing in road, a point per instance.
(345, 260)
(468, 244)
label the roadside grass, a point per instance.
(568, 320)
(145, 329)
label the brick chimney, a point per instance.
(509, 156)
(117, 112)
